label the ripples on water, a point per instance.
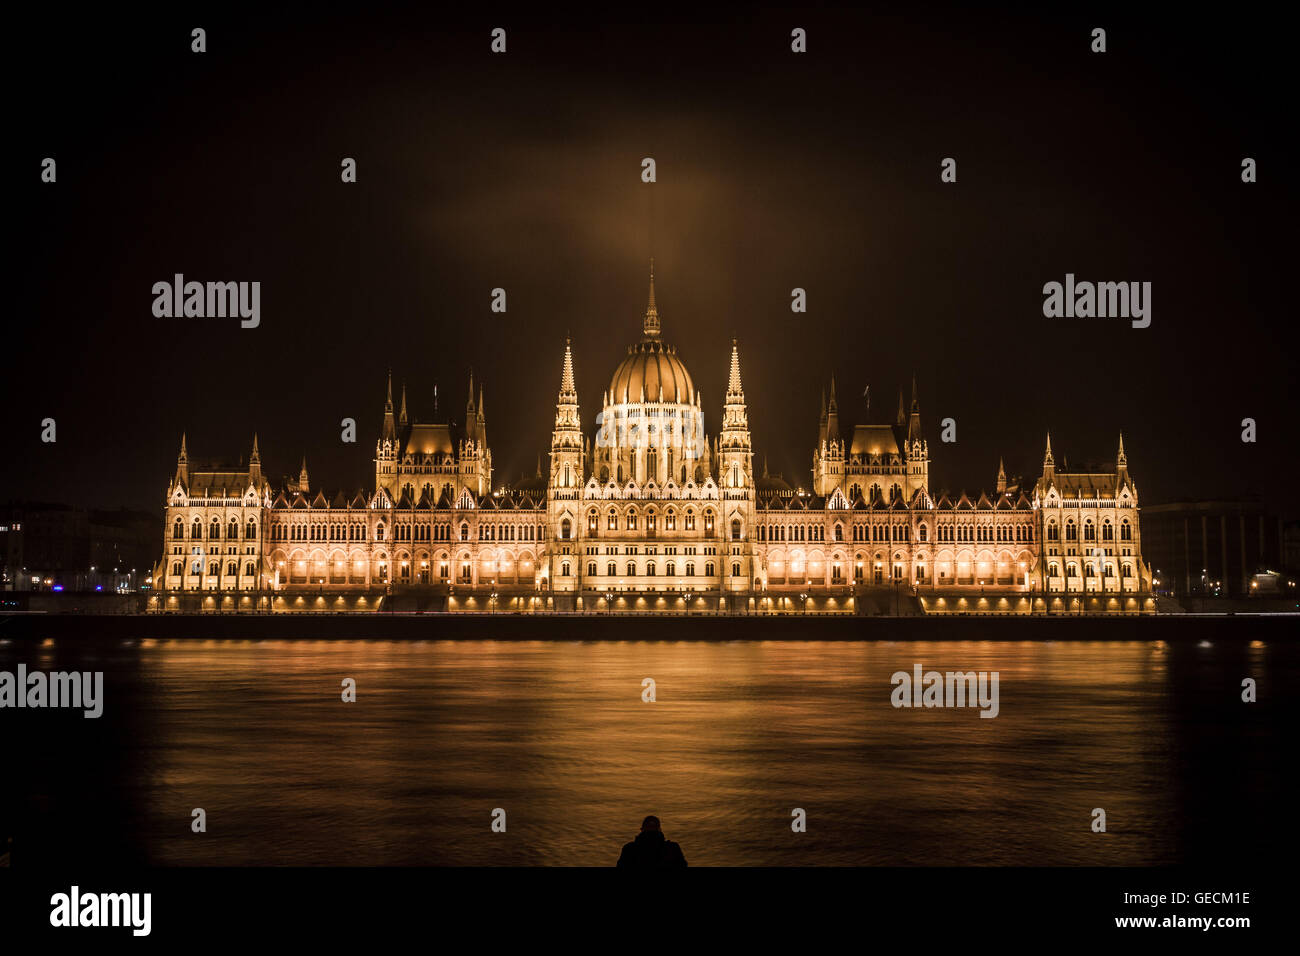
(557, 735)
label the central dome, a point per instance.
(652, 369)
(651, 365)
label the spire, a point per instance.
(182, 456)
(916, 401)
(255, 458)
(651, 325)
(1047, 459)
(401, 418)
(1122, 459)
(733, 381)
(435, 403)
(901, 417)
(302, 475)
(480, 402)
(539, 466)
(470, 403)
(1002, 477)
(764, 466)
(390, 424)
(567, 387)
(833, 415)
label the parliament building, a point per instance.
(649, 513)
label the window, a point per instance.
(611, 522)
(1125, 532)
(464, 532)
(735, 569)
(690, 569)
(650, 569)
(591, 569)
(631, 568)
(670, 522)
(591, 522)
(631, 521)
(708, 568)
(670, 569)
(566, 528)
(178, 529)
(611, 569)
(1071, 532)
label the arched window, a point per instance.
(215, 533)
(178, 529)
(464, 532)
(1071, 532)
(670, 521)
(1053, 532)
(708, 569)
(839, 531)
(564, 569)
(708, 522)
(566, 527)
(650, 568)
(591, 521)
(611, 522)
(1107, 532)
(1125, 531)
(591, 569)
(690, 569)
(631, 569)
(670, 569)
(1089, 531)
(922, 534)
(611, 569)
(735, 529)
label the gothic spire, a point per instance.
(402, 415)
(651, 325)
(733, 380)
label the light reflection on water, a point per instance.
(742, 732)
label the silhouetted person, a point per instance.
(650, 849)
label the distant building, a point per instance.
(53, 547)
(649, 513)
(1214, 548)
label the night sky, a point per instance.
(522, 171)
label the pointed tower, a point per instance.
(1121, 460)
(1002, 478)
(1049, 463)
(736, 483)
(902, 419)
(386, 445)
(914, 415)
(183, 464)
(564, 488)
(832, 416)
(390, 423)
(401, 418)
(255, 464)
(567, 464)
(650, 326)
(302, 477)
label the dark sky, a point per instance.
(522, 171)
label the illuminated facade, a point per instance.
(651, 513)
